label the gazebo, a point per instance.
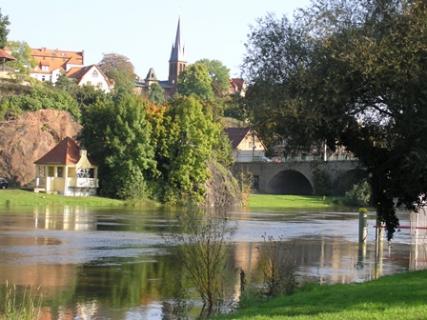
(4, 57)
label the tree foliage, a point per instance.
(220, 76)
(352, 73)
(4, 31)
(40, 96)
(195, 80)
(24, 61)
(156, 94)
(116, 131)
(118, 68)
(187, 143)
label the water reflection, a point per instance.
(418, 229)
(73, 218)
(94, 264)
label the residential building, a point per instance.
(50, 63)
(246, 145)
(90, 75)
(237, 87)
(66, 170)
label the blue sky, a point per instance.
(142, 30)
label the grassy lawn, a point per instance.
(16, 197)
(399, 297)
(277, 201)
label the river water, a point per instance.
(122, 263)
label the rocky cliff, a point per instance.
(27, 138)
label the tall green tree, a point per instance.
(116, 131)
(195, 80)
(4, 31)
(220, 76)
(353, 74)
(185, 148)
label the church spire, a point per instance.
(177, 62)
(177, 52)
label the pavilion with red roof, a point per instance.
(66, 169)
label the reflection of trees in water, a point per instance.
(202, 253)
(278, 266)
(128, 284)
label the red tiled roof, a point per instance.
(77, 72)
(5, 55)
(236, 135)
(56, 59)
(236, 85)
(65, 152)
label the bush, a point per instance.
(359, 195)
(41, 96)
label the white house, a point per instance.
(90, 75)
(246, 145)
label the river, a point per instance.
(123, 263)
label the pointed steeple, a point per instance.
(177, 52)
(151, 75)
(177, 61)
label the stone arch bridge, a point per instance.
(297, 177)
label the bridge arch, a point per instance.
(290, 182)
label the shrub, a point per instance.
(359, 195)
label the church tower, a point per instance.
(177, 61)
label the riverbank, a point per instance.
(401, 296)
(280, 202)
(17, 197)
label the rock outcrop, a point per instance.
(27, 138)
(222, 188)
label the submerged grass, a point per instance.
(278, 202)
(14, 306)
(401, 296)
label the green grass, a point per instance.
(16, 197)
(277, 202)
(402, 296)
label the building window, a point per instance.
(60, 172)
(45, 68)
(95, 74)
(42, 171)
(43, 78)
(50, 171)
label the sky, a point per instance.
(142, 30)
